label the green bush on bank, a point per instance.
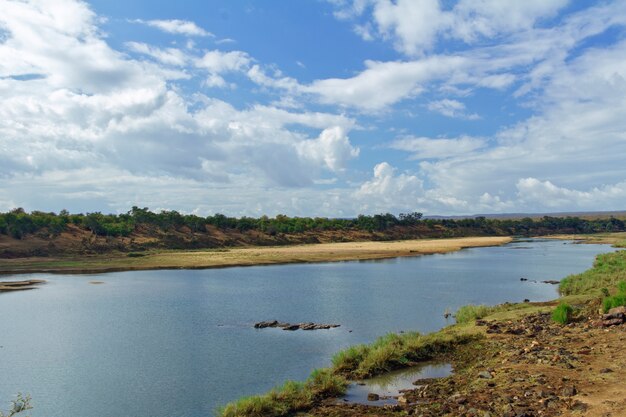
(562, 313)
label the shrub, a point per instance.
(562, 313)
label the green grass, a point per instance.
(394, 351)
(607, 271)
(562, 313)
(469, 313)
(291, 397)
(388, 352)
(617, 300)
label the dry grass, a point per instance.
(325, 252)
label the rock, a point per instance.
(458, 399)
(618, 310)
(373, 397)
(402, 400)
(264, 324)
(289, 326)
(485, 375)
(612, 322)
(606, 370)
(568, 391)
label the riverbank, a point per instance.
(249, 256)
(618, 239)
(509, 360)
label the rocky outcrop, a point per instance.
(292, 327)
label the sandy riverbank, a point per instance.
(326, 252)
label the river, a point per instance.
(181, 342)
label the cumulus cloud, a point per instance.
(86, 125)
(95, 112)
(388, 191)
(177, 27)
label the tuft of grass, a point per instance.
(394, 351)
(608, 269)
(562, 313)
(469, 313)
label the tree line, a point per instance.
(19, 223)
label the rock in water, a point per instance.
(373, 397)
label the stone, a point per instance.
(485, 375)
(618, 310)
(264, 324)
(373, 397)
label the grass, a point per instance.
(388, 352)
(608, 269)
(562, 313)
(616, 300)
(469, 313)
(289, 398)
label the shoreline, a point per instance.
(247, 256)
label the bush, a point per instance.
(562, 313)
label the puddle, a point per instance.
(389, 385)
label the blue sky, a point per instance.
(328, 108)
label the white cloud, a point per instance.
(218, 62)
(175, 26)
(332, 148)
(451, 108)
(427, 148)
(415, 26)
(533, 191)
(389, 192)
(168, 56)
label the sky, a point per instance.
(313, 107)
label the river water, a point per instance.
(181, 342)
